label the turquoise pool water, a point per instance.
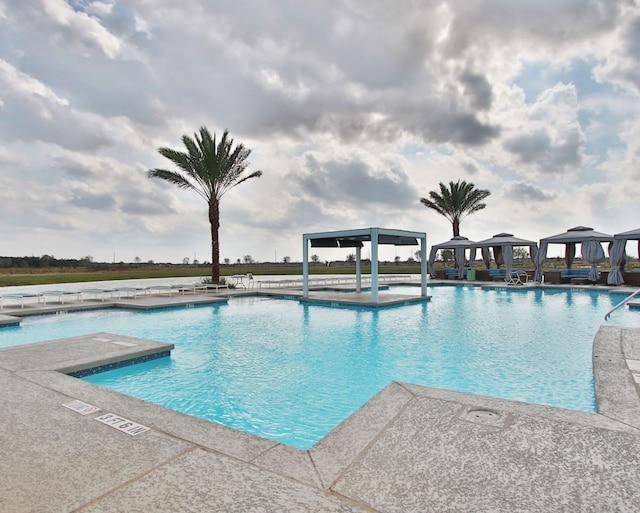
(292, 372)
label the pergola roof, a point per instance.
(456, 242)
(630, 235)
(504, 239)
(355, 238)
(578, 235)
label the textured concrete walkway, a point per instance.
(409, 449)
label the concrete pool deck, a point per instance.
(409, 449)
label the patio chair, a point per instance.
(518, 277)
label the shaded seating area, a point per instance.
(459, 245)
(502, 245)
(355, 239)
(591, 247)
(498, 274)
(617, 257)
(455, 274)
(574, 276)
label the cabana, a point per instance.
(591, 247)
(503, 244)
(616, 254)
(355, 239)
(458, 244)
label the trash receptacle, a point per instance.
(471, 274)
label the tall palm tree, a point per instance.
(210, 168)
(456, 202)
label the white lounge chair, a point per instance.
(96, 293)
(131, 291)
(21, 296)
(60, 295)
(518, 277)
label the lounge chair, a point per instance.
(193, 288)
(96, 293)
(518, 277)
(131, 291)
(159, 289)
(21, 296)
(60, 295)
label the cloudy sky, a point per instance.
(353, 109)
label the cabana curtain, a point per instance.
(593, 253)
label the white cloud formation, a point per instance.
(353, 111)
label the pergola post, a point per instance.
(374, 265)
(358, 269)
(305, 266)
(423, 266)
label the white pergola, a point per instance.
(355, 239)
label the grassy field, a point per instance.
(103, 272)
(22, 277)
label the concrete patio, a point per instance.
(409, 449)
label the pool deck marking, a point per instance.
(121, 424)
(81, 407)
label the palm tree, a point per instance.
(456, 202)
(210, 169)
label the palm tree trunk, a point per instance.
(456, 227)
(214, 220)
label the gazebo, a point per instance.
(591, 247)
(458, 244)
(616, 254)
(503, 244)
(355, 239)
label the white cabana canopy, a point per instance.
(503, 244)
(616, 254)
(355, 239)
(458, 244)
(588, 238)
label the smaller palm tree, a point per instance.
(456, 202)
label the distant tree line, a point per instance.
(43, 262)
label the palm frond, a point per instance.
(172, 177)
(456, 201)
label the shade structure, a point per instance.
(583, 235)
(458, 244)
(503, 244)
(354, 239)
(616, 254)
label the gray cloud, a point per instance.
(548, 156)
(92, 201)
(478, 89)
(355, 181)
(529, 147)
(524, 191)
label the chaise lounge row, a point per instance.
(60, 296)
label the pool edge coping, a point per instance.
(320, 466)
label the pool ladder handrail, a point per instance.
(621, 303)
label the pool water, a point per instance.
(292, 372)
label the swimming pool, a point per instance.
(292, 372)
